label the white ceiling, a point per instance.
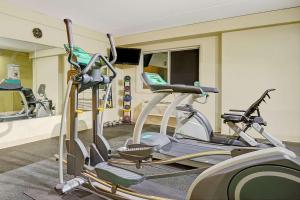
(123, 17)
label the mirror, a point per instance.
(31, 80)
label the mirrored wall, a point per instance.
(29, 80)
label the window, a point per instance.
(184, 67)
(174, 66)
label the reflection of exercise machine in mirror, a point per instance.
(44, 106)
(32, 106)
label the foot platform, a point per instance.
(117, 176)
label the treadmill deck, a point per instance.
(184, 147)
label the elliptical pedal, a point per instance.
(117, 176)
(136, 152)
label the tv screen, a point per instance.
(129, 56)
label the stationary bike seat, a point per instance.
(235, 118)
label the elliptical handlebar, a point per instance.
(110, 67)
(112, 48)
(109, 64)
(68, 24)
(114, 55)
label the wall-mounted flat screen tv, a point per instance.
(128, 56)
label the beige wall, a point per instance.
(255, 60)
(229, 51)
(11, 101)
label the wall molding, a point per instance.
(271, 18)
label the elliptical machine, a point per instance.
(86, 73)
(192, 123)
